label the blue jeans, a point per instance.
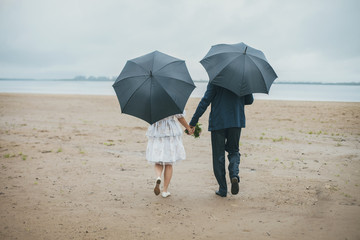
(221, 141)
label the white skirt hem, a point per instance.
(165, 150)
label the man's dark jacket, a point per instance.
(227, 109)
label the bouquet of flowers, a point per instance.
(197, 131)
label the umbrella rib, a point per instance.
(134, 93)
(178, 80)
(146, 70)
(169, 64)
(129, 78)
(164, 88)
(257, 58)
(225, 52)
(221, 53)
(259, 71)
(227, 65)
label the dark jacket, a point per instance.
(227, 109)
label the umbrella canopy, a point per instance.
(239, 68)
(153, 86)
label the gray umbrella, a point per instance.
(153, 86)
(239, 68)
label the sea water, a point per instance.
(301, 92)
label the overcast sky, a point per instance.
(305, 40)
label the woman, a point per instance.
(165, 148)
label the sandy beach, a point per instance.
(73, 167)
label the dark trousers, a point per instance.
(221, 141)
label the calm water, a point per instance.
(303, 92)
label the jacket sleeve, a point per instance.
(204, 103)
(249, 99)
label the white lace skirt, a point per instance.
(165, 150)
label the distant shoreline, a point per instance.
(105, 79)
(320, 83)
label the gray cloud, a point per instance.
(303, 40)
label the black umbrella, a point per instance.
(153, 86)
(239, 68)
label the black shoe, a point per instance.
(234, 186)
(220, 194)
(157, 186)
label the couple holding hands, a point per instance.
(227, 118)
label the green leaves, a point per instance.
(197, 131)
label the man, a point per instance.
(226, 119)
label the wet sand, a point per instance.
(73, 167)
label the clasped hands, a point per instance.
(190, 130)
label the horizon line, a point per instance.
(102, 78)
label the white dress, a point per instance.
(165, 141)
